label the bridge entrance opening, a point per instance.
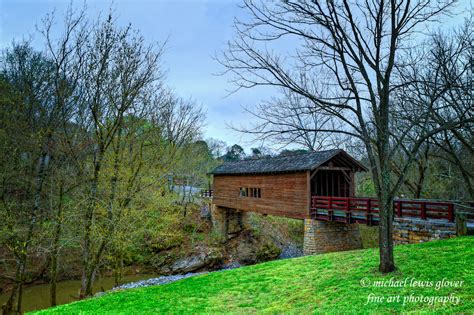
(336, 183)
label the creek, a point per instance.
(37, 296)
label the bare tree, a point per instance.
(292, 120)
(451, 150)
(66, 55)
(343, 64)
(180, 119)
(216, 147)
(440, 83)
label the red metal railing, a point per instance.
(366, 210)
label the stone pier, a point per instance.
(323, 237)
(228, 222)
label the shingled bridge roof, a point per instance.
(290, 163)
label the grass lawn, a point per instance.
(336, 283)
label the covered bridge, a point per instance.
(318, 187)
(284, 185)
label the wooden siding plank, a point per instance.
(281, 194)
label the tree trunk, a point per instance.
(86, 250)
(55, 250)
(387, 263)
(92, 264)
(118, 269)
(422, 167)
(384, 191)
(54, 278)
(8, 308)
(90, 281)
(22, 255)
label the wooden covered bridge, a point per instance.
(318, 187)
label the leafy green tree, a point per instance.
(234, 153)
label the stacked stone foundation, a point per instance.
(228, 222)
(324, 237)
(409, 230)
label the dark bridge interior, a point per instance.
(334, 183)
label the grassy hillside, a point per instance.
(337, 282)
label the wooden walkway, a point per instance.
(366, 210)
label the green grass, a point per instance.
(323, 283)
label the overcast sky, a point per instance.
(197, 31)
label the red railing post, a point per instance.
(314, 201)
(399, 208)
(450, 212)
(423, 210)
(368, 215)
(348, 211)
(330, 211)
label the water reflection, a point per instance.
(37, 297)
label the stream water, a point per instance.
(36, 297)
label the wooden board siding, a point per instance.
(282, 194)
